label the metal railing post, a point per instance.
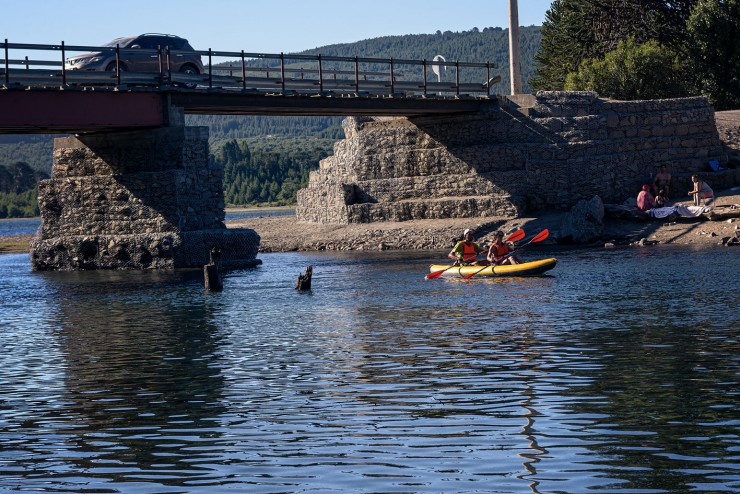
(393, 82)
(161, 65)
(424, 66)
(457, 77)
(357, 74)
(244, 73)
(169, 66)
(321, 76)
(7, 64)
(118, 64)
(210, 69)
(282, 71)
(488, 79)
(64, 68)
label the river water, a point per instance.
(616, 373)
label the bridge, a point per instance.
(134, 187)
(40, 93)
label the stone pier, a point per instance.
(548, 151)
(143, 199)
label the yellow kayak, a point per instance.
(523, 269)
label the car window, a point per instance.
(123, 42)
(149, 42)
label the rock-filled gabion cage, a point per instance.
(136, 200)
(559, 148)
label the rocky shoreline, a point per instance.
(286, 234)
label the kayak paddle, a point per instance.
(537, 238)
(517, 235)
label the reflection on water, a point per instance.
(376, 380)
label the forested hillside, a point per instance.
(18, 190)
(487, 45)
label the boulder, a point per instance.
(584, 223)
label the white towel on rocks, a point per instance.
(680, 210)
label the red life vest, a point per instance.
(499, 251)
(469, 253)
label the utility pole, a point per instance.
(515, 71)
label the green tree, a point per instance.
(632, 71)
(578, 30)
(713, 46)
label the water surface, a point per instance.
(617, 373)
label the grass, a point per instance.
(14, 244)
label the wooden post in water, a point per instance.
(211, 272)
(304, 280)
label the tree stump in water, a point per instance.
(212, 277)
(304, 280)
(211, 272)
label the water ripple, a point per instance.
(374, 381)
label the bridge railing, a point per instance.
(48, 66)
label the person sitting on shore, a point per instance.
(466, 251)
(662, 181)
(661, 200)
(701, 190)
(499, 252)
(645, 200)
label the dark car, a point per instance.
(140, 54)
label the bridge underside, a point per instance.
(70, 111)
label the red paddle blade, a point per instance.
(517, 235)
(434, 274)
(468, 276)
(541, 236)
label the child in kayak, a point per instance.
(466, 251)
(498, 252)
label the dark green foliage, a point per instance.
(19, 177)
(713, 44)
(31, 149)
(632, 71)
(18, 190)
(23, 205)
(238, 127)
(267, 174)
(578, 30)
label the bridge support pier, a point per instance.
(143, 199)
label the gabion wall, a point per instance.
(504, 161)
(136, 200)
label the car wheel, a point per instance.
(189, 70)
(111, 67)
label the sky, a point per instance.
(257, 26)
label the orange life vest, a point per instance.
(499, 251)
(469, 253)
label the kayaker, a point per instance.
(466, 251)
(702, 190)
(498, 252)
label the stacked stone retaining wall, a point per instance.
(506, 159)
